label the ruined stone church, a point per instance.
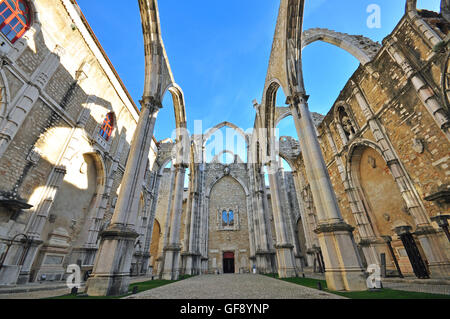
(83, 181)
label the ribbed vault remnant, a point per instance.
(362, 48)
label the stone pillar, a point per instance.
(342, 261)
(424, 91)
(303, 215)
(191, 224)
(426, 234)
(38, 220)
(284, 248)
(289, 219)
(154, 200)
(263, 251)
(111, 273)
(172, 250)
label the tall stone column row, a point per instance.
(290, 220)
(343, 263)
(264, 245)
(427, 235)
(171, 268)
(167, 228)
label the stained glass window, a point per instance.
(14, 18)
(227, 218)
(107, 127)
(230, 218)
(224, 218)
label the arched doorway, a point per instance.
(228, 263)
(154, 246)
(386, 209)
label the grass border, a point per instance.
(384, 293)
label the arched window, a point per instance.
(107, 126)
(346, 123)
(14, 18)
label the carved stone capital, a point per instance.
(333, 227)
(151, 103)
(284, 246)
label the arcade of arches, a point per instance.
(83, 181)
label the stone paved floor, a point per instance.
(431, 289)
(51, 291)
(233, 287)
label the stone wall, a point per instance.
(58, 87)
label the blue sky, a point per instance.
(219, 51)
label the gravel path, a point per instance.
(229, 286)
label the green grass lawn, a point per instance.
(142, 286)
(378, 294)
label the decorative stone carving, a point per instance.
(289, 147)
(418, 145)
(34, 156)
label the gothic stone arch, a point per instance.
(362, 48)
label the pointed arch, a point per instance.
(219, 126)
(236, 178)
(281, 113)
(362, 48)
(158, 75)
(178, 104)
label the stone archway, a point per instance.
(155, 246)
(362, 48)
(65, 230)
(228, 194)
(382, 200)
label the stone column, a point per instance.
(205, 235)
(154, 200)
(172, 250)
(289, 218)
(38, 220)
(424, 91)
(343, 264)
(284, 248)
(427, 235)
(303, 215)
(111, 273)
(191, 223)
(263, 253)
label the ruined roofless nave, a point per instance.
(83, 181)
